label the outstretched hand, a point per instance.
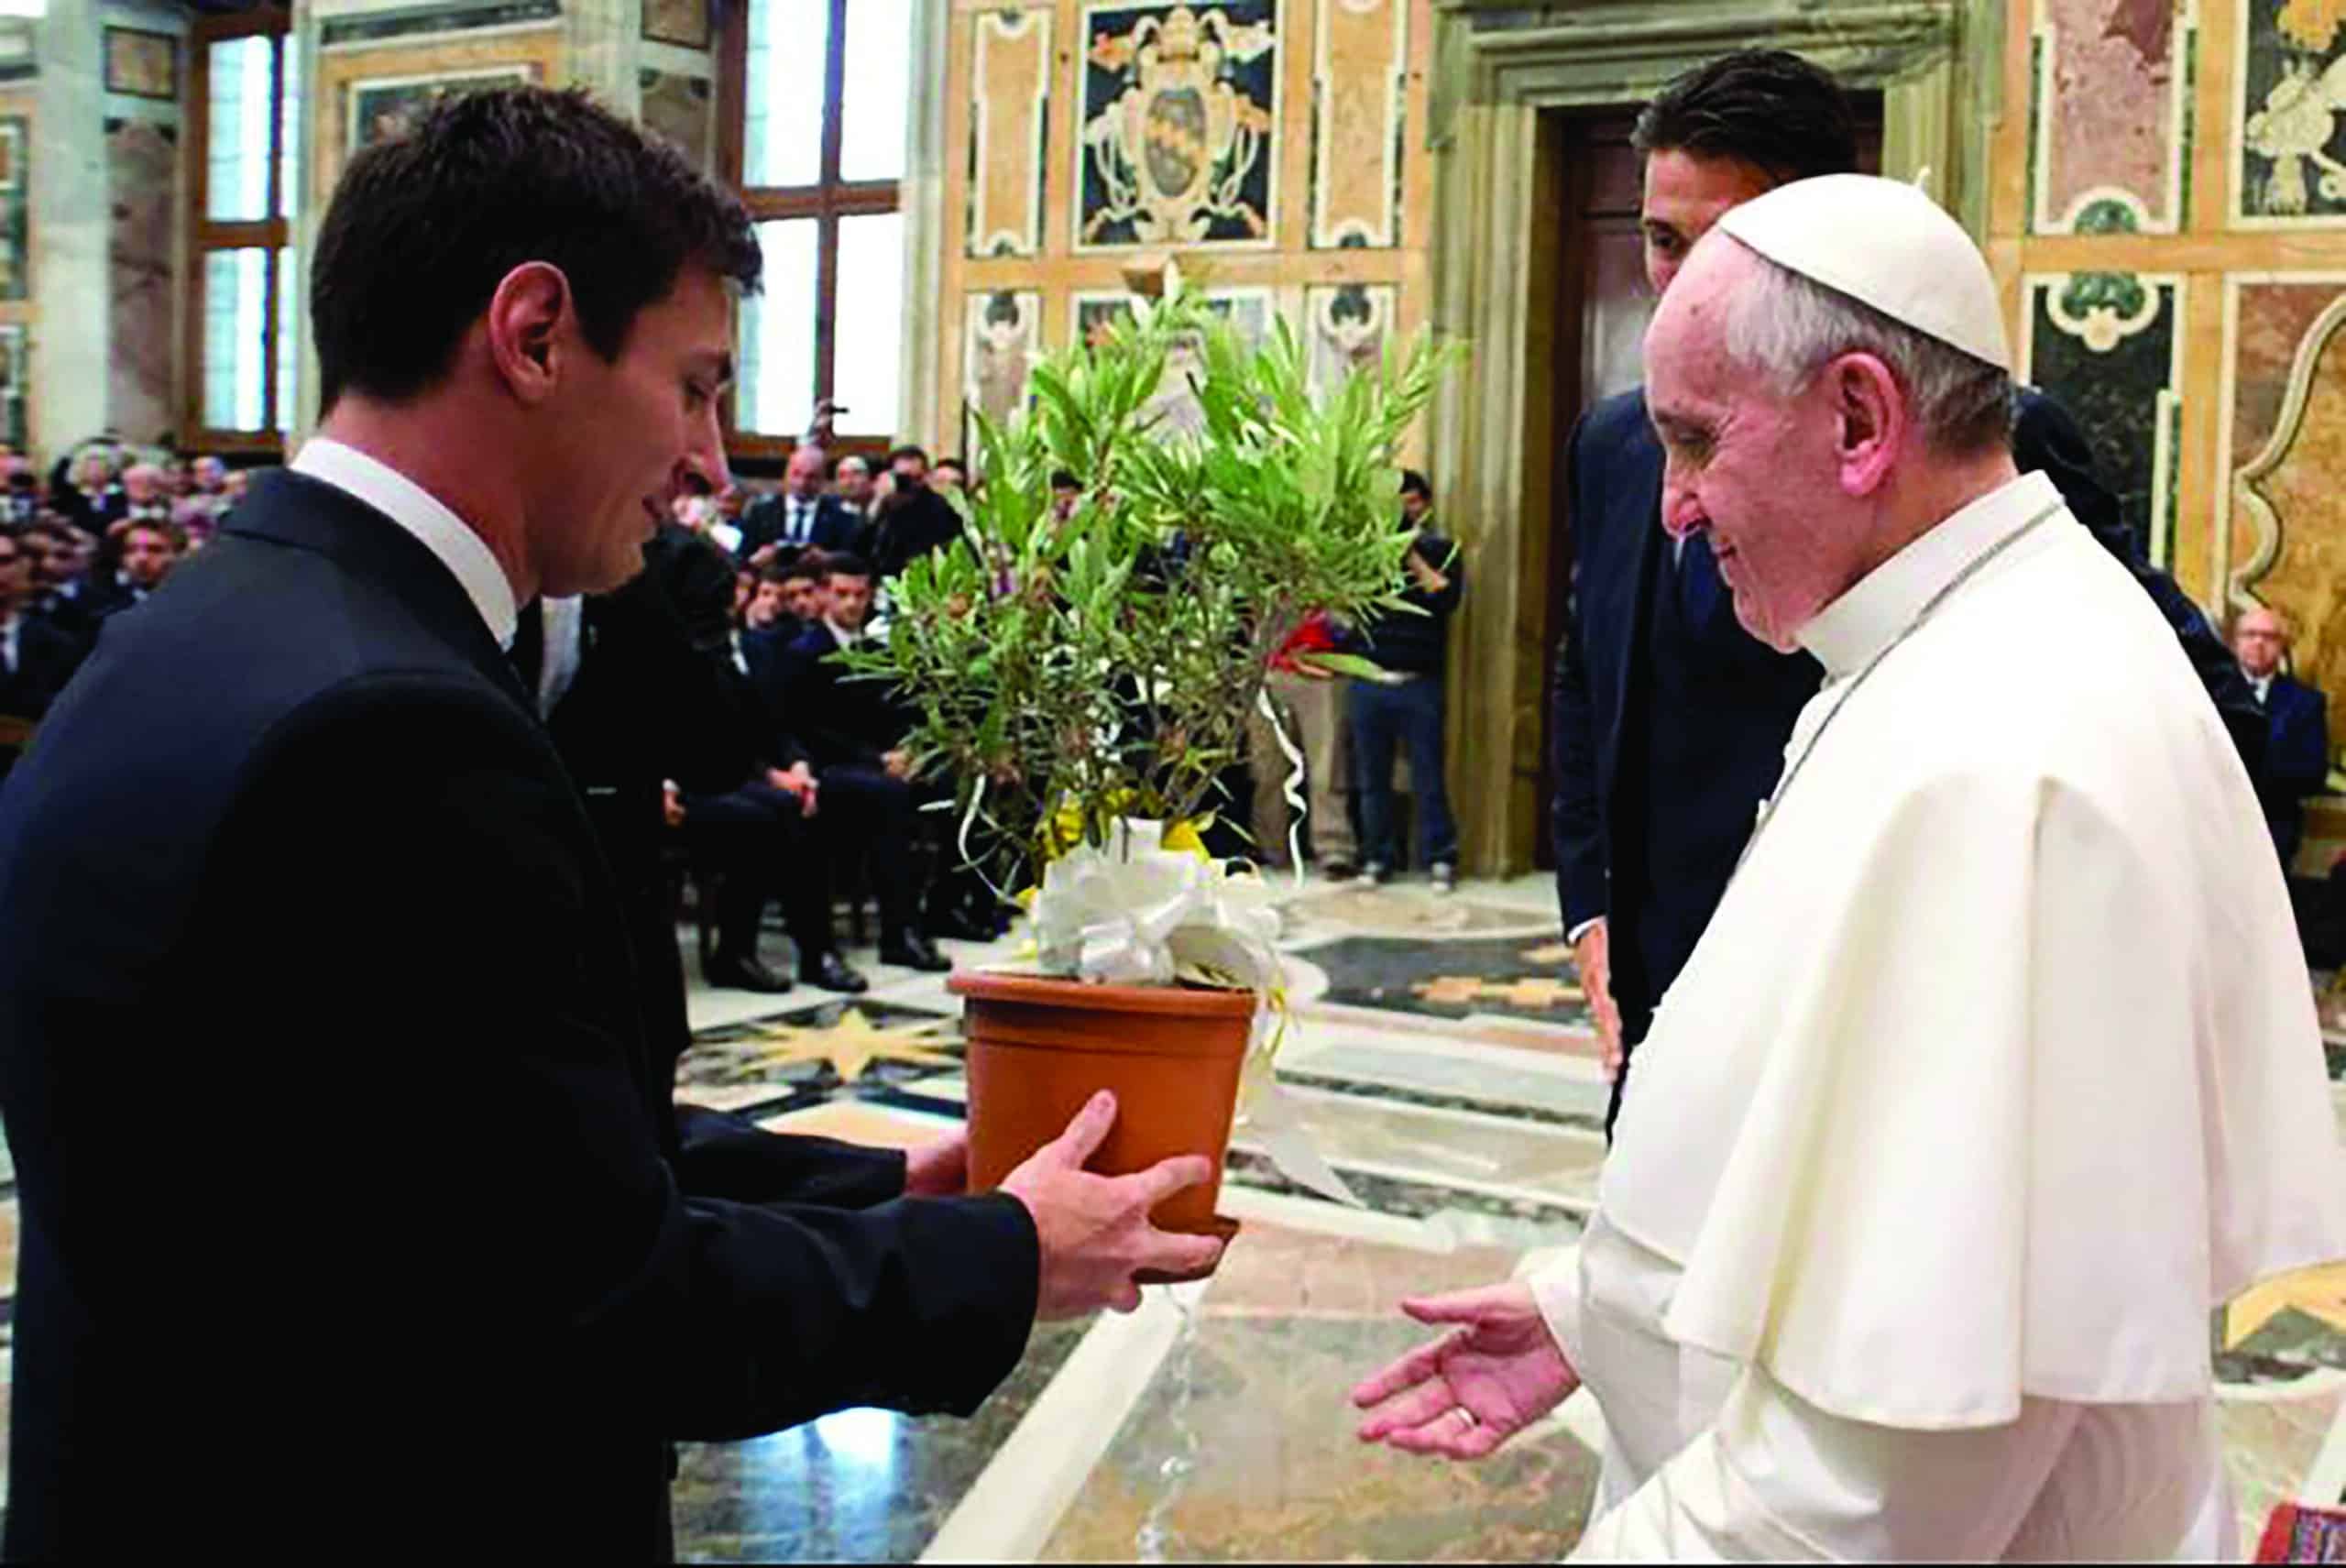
(1496, 1371)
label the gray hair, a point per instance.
(1785, 328)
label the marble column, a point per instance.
(926, 233)
(69, 223)
(604, 47)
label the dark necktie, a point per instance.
(529, 650)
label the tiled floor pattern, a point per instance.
(1444, 1066)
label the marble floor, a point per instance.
(1445, 1065)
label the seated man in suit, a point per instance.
(149, 552)
(473, 1260)
(1670, 720)
(2297, 749)
(803, 516)
(60, 594)
(35, 658)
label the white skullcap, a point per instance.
(1887, 245)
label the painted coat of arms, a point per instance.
(1178, 110)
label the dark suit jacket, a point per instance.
(47, 657)
(393, 1215)
(836, 526)
(912, 524)
(844, 722)
(1670, 732)
(2296, 760)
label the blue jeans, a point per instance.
(1384, 718)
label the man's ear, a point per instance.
(529, 317)
(1870, 419)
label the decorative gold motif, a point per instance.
(1533, 990)
(2293, 131)
(851, 1046)
(2320, 1293)
(1175, 150)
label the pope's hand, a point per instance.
(940, 1169)
(1494, 1372)
(1593, 956)
(1093, 1231)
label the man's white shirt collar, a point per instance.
(413, 508)
(1863, 621)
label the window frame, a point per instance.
(828, 201)
(273, 234)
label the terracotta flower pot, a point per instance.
(1039, 1049)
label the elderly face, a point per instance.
(1684, 196)
(210, 475)
(143, 483)
(2261, 641)
(93, 472)
(804, 477)
(1761, 474)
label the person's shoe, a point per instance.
(1445, 877)
(961, 925)
(1339, 870)
(830, 972)
(1376, 872)
(912, 951)
(732, 971)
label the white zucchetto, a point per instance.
(1887, 245)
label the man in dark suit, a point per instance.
(148, 552)
(2297, 750)
(1670, 720)
(36, 657)
(912, 518)
(61, 594)
(802, 517)
(456, 1278)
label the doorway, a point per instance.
(1602, 306)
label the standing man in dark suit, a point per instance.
(455, 1281)
(2297, 749)
(913, 520)
(802, 517)
(1670, 720)
(35, 658)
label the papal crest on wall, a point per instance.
(1181, 111)
(2291, 95)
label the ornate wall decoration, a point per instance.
(1010, 97)
(15, 188)
(2294, 555)
(2111, 113)
(143, 64)
(1002, 338)
(683, 108)
(380, 108)
(1179, 120)
(2108, 346)
(142, 186)
(1248, 312)
(1359, 74)
(1347, 326)
(684, 23)
(2292, 75)
(16, 385)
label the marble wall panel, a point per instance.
(379, 108)
(2291, 71)
(16, 198)
(1359, 68)
(15, 384)
(142, 186)
(1010, 75)
(684, 23)
(1004, 334)
(2287, 546)
(2111, 115)
(682, 107)
(2106, 345)
(1179, 128)
(1347, 327)
(2269, 320)
(1248, 312)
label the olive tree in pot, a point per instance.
(1084, 672)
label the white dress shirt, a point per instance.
(449, 537)
(9, 642)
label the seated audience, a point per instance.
(800, 516)
(913, 520)
(35, 658)
(855, 731)
(2296, 750)
(92, 500)
(20, 501)
(1407, 710)
(150, 551)
(852, 481)
(59, 592)
(146, 492)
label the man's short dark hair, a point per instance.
(846, 565)
(898, 454)
(425, 226)
(808, 567)
(1414, 483)
(956, 463)
(172, 534)
(1768, 108)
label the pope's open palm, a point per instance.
(1495, 1372)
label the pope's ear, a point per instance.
(1871, 420)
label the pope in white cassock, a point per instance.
(1997, 1069)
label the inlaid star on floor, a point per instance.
(1549, 953)
(1531, 991)
(2320, 1293)
(852, 1044)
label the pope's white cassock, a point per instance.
(1996, 1070)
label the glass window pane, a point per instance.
(235, 312)
(289, 295)
(776, 373)
(869, 336)
(236, 180)
(782, 118)
(289, 136)
(875, 99)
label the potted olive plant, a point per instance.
(1083, 672)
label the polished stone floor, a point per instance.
(1444, 1065)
